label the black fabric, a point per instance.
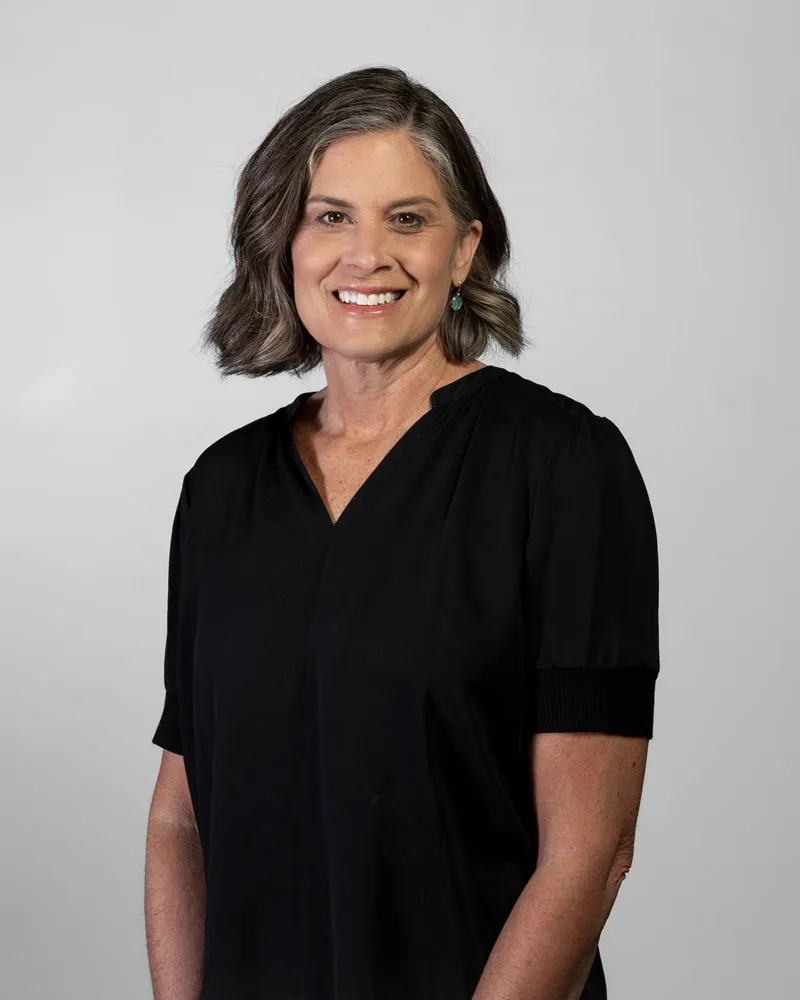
(355, 701)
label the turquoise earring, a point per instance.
(456, 302)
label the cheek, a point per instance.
(309, 263)
(307, 294)
(429, 264)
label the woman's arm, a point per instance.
(587, 789)
(175, 887)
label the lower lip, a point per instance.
(352, 309)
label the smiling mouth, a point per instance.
(368, 301)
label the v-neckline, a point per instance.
(439, 397)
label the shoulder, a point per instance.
(564, 436)
(540, 399)
(545, 416)
(235, 456)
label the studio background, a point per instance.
(646, 157)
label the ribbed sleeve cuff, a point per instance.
(615, 700)
(168, 732)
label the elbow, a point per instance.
(621, 863)
(619, 870)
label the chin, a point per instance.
(369, 346)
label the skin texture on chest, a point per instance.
(339, 469)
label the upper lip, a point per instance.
(368, 289)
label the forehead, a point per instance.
(383, 165)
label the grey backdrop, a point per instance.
(646, 155)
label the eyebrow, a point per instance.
(419, 199)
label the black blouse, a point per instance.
(355, 701)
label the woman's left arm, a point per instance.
(587, 788)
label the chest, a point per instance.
(339, 470)
(418, 588)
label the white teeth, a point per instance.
(367, 300)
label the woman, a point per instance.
(412, 617)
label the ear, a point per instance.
(466, 251)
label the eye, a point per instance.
(416, 221)
(411, 215)
(321, 218)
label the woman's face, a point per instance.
(376, 219)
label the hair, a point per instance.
(255, 328)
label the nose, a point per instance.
(365, 246)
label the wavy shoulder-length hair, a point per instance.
(255, 328)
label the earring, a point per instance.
(456, 302)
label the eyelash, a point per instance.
(330, 225)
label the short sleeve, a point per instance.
(592, 564)
(168, 731)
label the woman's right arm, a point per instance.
(175, 888)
